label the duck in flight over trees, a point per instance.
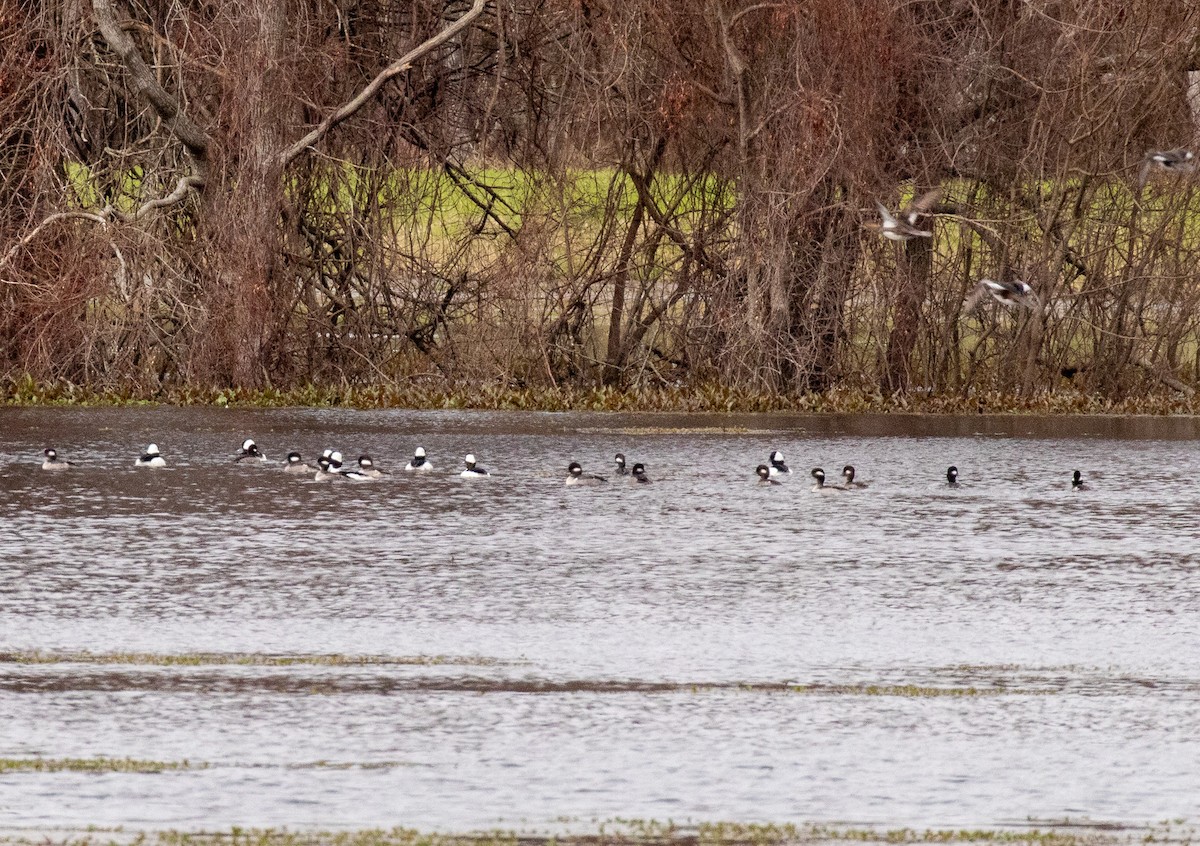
(1179, 160)
(903, 226)
(1009, 294)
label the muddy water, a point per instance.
(541, 657)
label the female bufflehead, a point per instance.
(850, 484)
(820, 486)
(952, 476)
(620, 459)
(418, 462)
(151, 458)
(471, 471)
(295, 464)
(53, 462)
(575, 476)
(764, 475)
(249, 450)
(330, 467)
(1077, 482)
(778, 466)
(639, 474)
(366, 467)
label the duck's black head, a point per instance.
(819, 475)
(952, 474)
(574, 469)
(763, 471)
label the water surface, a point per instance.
(702, 648)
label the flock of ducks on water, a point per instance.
(905, 225)
(777, 467)
(330, 468)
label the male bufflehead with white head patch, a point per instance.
(576, 476)
(419, 462)
(249, 450)
(329, 467)
(778, 466)
(151, 458)
(53, 462)
(472, 471)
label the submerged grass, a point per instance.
(250, 659)
(134, 765)
(635, 833)
(26, 392)
(911, 690)
(93, 765)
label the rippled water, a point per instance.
(701, 648)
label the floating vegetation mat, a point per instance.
(635, 833)
(134, 765)
(112, 680)
(245, 659)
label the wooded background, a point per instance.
(634, 193)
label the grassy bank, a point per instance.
(707, 398)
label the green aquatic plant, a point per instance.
(635, 833)
(94, 765)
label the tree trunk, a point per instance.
(248, 234)
(906, 318)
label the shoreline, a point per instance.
(707, 399)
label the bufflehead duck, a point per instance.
(1179, 160)
(820, 486)
(249, 450)
(418, 462)
(53, 462)
(366, 467)
(1008, 294)
(329, 467)
(295, 464)
(1077, 482)
(639, 474)
(151, 458)
(778, 466)
(952, 476)
(850, 484)
(904, 228)
(620, 459)
(575, 476)
(471, 471)
(764, 475)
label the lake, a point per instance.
(459, 655)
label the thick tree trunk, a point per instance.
(247, 218)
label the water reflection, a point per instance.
(700, 648)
